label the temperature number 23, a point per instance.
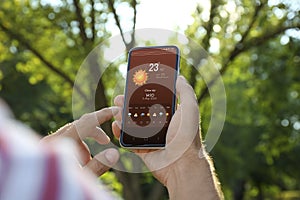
(153, 67)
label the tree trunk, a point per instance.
(239, 190)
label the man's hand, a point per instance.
(183, 166)
(88, 127)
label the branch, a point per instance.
(239, 48)
(205, 42)
(260, 40)
(93, 20)
(111, 6)
(210, 24)
(80, 20)
(132, 42)
(49, 65)
(236, 51)
(253, 20)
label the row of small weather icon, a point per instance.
(160, 114)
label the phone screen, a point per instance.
(150, 96)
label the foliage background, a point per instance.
(255, 44)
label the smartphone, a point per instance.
(150, 96)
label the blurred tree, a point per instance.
(255, 44)
(42, 46)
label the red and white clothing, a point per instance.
(33, 171)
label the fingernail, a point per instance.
(114, 110)
(183, 78)
(111, 155)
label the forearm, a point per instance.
(194, 180)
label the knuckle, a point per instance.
(99, 165)
(85, 117)
(105, 114)
(96, 167)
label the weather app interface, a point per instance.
(150, 94)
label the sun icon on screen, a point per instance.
(140, 77)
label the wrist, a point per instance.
(193, 177)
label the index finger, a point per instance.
(105, 114)
(119, 100)
(87, 125)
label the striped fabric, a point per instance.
(31, 171)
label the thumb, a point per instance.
(103, 161)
